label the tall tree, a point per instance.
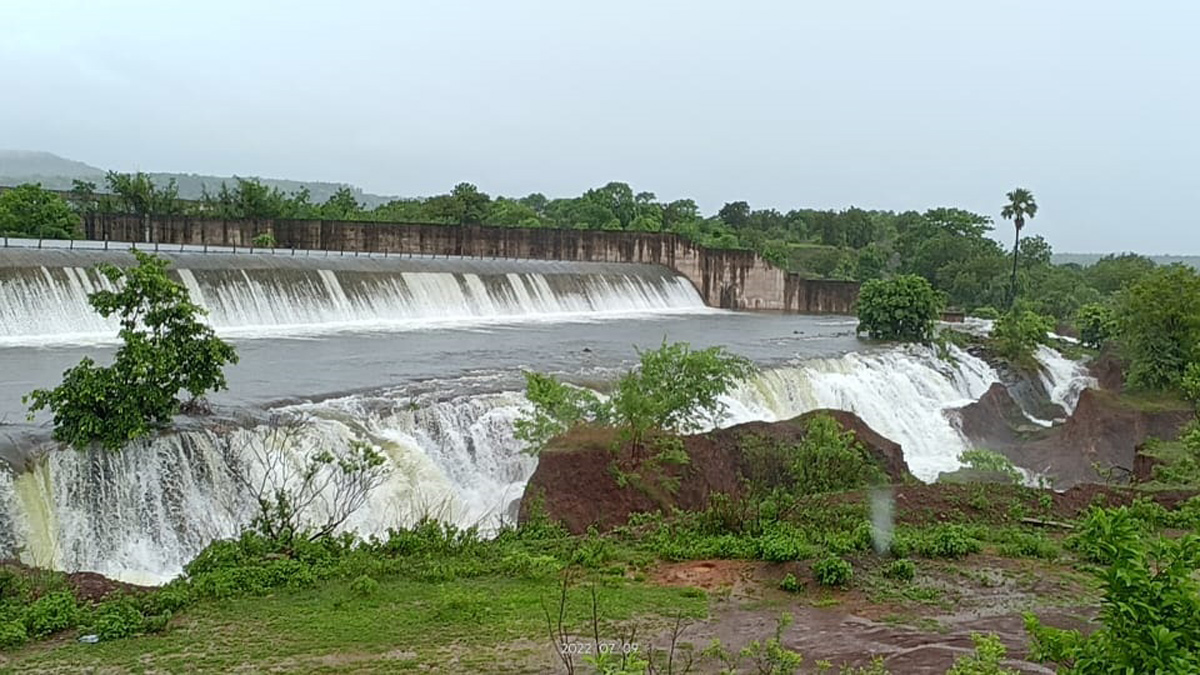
(30, 211)
(1020, 206)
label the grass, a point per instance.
(479, 624)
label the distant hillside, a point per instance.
(56, 173)
(32, 164)
(1089, 258)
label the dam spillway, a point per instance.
(43, 293)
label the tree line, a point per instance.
(949, 247)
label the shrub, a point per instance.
(982, 459)
(1028, 545)
(1096, 323)
(675, 389)
(985, 660)
(827, 459)
(783, 544)
(902, 308)
(833, 571)
(900, 570)
(117, 619)
(12, 634)
(1151, 599)
(364, 586)
(1017, 334)
(985, 312)
(948, 541)
(264, 240)
(1103, 534)
(790, 584)
(1190, 384)
(50, 614)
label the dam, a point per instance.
(422, 357)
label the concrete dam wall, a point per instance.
(729, 279)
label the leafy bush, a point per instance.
(985, 660)
(901, 308)
(364, 586)
(1103, 534)
(166, 348)
(985, 312)
(1096, 323)
(1148, 613)
(264, 240)
(827, 459)
(1016, 334)
(675, 389)
(947, 541)
(833, 571)
(50, 614)
(900, 570)
(1190, 384)
(790, 584)
(117, 619)
(12, 634)
(982, 459)
(1028, 545)
(783, 544)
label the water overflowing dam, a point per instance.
(43, 293)
(423, 359)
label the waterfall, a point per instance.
(903, 393)
(141, 514)
(47, 303)
(1063, 378)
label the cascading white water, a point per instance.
(47, 304)
(141, 514)
(903, 393)
(1063, 378)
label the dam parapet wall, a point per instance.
(725, 278)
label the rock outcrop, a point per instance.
(1104, 431)
(575, 483)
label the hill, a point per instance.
(1090, 258)
(56, 173)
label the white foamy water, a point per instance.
(1063, 378)
(902, 393)
(49, 304)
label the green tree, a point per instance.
(1114, 272)
(1096, 323)
(341, 205)
(675, 389)
(901, 308)
(83, 196)
(1017, 333)
(735, 214)
(1020, 206)
(137, 193)
(30, 211)
(1158, 326)
(165, 349)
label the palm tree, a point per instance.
(1020, 205)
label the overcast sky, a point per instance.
(1093, 105)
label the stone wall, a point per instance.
(729, 279)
